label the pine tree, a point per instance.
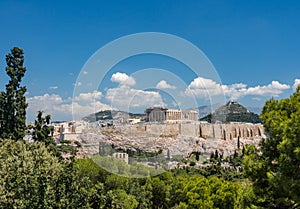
(274, 165)
(13, 101)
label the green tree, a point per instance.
(97, 197)
(114, 182)
(196, 193)
(142, 194)
(88, 168)
(274, 167)
(31, 177)
(119, 199)
(13, 101)
(42, 132)
(28, 173)
(73, 191)
(160, 192)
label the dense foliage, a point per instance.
(13, 101)
(275, 167)
(32, 177)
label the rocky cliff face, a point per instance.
(180, 139)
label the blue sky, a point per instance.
(253, 45)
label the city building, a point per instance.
(122, 156)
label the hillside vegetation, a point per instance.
(232, 112)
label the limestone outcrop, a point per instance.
(179, 138)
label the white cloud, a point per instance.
(164, 85)
(238, 85)
(123, 79)
(87, 103)
(296, 84)
(273, 89)
(49, 103)
(53, 87)
(84, 104)
(88, 97)
(62, 109)
(125, 97)
(203, 87)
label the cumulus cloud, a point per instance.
(238, 85)
(88, 97)
(123, 79)
(87, 103)
(44, 102)
(84, 104)
(203, 87)
(273, 89)
(164, 85)
(48, 103)
(296, 83)
(125, 97)
(64, 109)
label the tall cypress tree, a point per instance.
(13, 101)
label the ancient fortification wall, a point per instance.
(231, 131)
(205, 130)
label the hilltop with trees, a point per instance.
(232, 112)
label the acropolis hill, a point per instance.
(180, 137)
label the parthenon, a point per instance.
(160, 114)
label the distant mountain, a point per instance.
(111, 115)
(232, 112)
